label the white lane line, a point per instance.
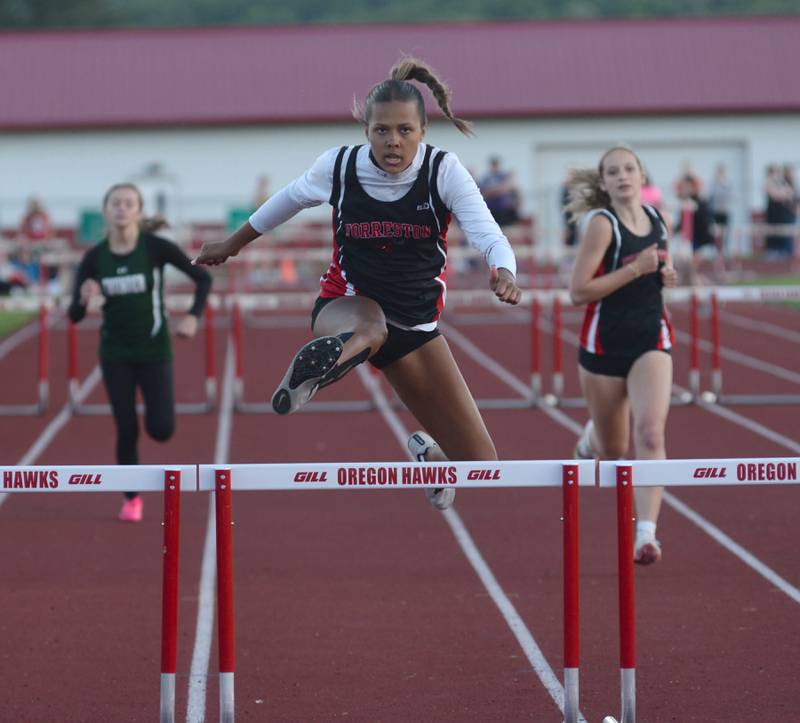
(56, 424)
(206, 603)
(486, 361)
(756, 427)
(477, 354)
(728, 543)
(762, 327)
(744, 360)
(734, 547)
(24, 333)
(524, 637)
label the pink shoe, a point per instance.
(131, 510)
(646, 552)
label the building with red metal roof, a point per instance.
(215, 108)
(306, 74)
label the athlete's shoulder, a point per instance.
(93, 253)
(599, 218)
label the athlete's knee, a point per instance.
(482, 450)
(161, 430)
(649, 435)
(371, 334)
(613, 449)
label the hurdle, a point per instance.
(210, 390)
(171, 480)
(373, 476)
(754, 293)
(42, 305)
(673, 473)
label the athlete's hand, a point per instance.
(504, 285)
(669, 276)
(214, 254)
(89, 289)
(187, 327)
(647, 260)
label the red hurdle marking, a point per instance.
(180, 407)
(694, 330)
(44, 353)
(169, 600)
(627, 607)
(72, 363)
(716, 365)
(236, 329)
(571, 594)
(42, 382)
(211, 366)
(558, 356)
(224, 509)
(536, 369)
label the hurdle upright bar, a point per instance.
(570, 480)
(224, 510)
(43, 383)
(210, 382)
(169, 600)
(627, 606)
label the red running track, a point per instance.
(363, 607)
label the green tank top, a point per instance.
(134, 321)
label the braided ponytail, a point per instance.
(398, 88)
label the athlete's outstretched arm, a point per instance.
(311, 189)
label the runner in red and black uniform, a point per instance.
(625, 367)
(384, 291)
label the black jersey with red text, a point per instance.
(391, 251)
(630, 320)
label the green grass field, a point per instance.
(788, 280)
(13, 320)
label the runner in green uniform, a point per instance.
(127, 268)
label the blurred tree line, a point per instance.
(34, 14)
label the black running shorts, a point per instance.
(398, 343)
(610, 366)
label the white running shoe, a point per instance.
(419, 444)
(306, 372)
(583, 447)
(647, 550)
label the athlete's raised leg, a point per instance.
(347, 331)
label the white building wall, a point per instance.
(209, 170)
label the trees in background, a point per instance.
(52, 14)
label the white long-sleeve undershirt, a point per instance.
(456, 187)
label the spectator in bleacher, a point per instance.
(127, 269)
(261, 192)
(624, 362)
(781, 213)
(499, 189)
(651, 194)
(688, 183)
(382, 295)
(36, 225)
(696, 225)
(11, 278)
(720, 201)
